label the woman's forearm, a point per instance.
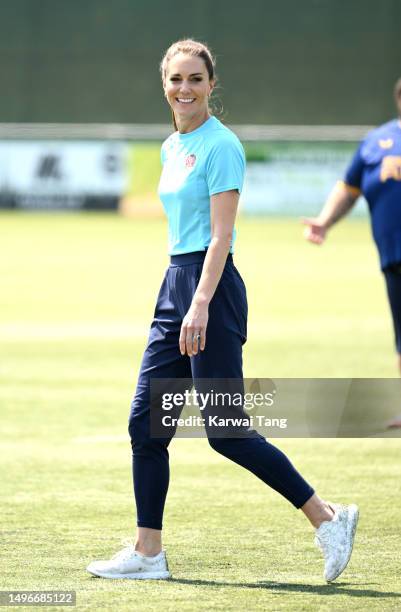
(213, 267)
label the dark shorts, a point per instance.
(393, 282)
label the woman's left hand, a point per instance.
(193, 329)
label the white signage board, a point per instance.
(61, 174)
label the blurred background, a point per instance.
(82, 110)
(83, 248)
(82, 118)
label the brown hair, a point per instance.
(189, 47)
(397, 89)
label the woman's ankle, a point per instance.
(147, 550)
(317, 511)
(148, 542)
(326, 514)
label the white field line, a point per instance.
(31, 331)
(100, 439)
(22, 331)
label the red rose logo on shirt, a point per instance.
(190, 160)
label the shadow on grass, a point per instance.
(339, 588)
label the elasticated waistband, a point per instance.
(187, 259)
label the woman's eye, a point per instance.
(175, 79)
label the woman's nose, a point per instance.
(185, 87)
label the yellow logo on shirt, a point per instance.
(391, 168)
(386, 144)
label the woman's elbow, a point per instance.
(223, 237)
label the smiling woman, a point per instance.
(188, 76)
(202, 177)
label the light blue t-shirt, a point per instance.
(197, 165)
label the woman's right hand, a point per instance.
(193, 329)
(315, 230)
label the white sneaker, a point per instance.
(128, 563)
(335, 539)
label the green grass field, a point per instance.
(77, 297)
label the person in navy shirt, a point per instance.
(375, 172)
(200, 325)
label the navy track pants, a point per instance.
(221, 358)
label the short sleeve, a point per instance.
(162, 157)
(225, 166)
(353, 175)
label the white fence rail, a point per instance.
(120, 131)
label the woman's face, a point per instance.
(187, 86)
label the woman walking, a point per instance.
(199, 324)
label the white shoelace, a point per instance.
(126, 552)
(325, 541)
